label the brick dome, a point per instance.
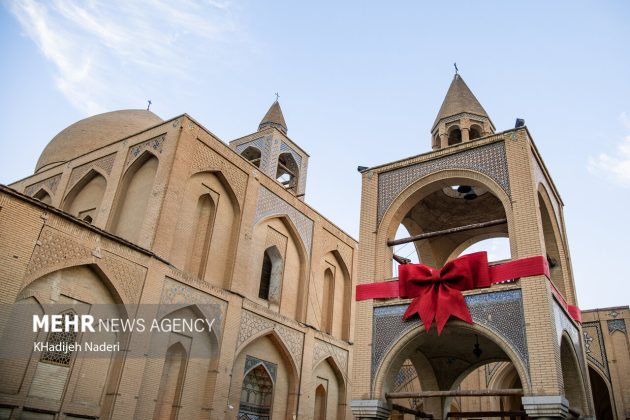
(93, 133)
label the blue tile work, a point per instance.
(501, 312)
(286, 148)
(594, 346)
(251, 362)
(489, 159)
(264, 145)
(617, 325)
(563, 323)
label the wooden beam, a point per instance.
(468, 414)
(456, 393)
(428, 235)
(417, 413)
(401, 260)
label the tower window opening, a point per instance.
(474, 132)
(454, 136)
(271, 275)
(252, 154)
(287, 172)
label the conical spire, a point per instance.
(274, 118)
(459, 99)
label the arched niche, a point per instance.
(475, 131)
(205, 235)
(85, 197)
(43, 196)
(572, 379)
(280, 232)
(269, 350)
(330, 297)
(454, 135)
(82, 378)
(327, 377)
(132, 198)
(554, 246)
(600, 387)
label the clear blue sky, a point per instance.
(360, 84)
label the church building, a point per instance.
(132, 217)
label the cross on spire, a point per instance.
(456, 69)
(149, 105)
(277, 96)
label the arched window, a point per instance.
(199, 242)
(256, 395)
(328, 299)
(320, 403)
(62, 339)
(454, 136)
(171, 383)
(252, 154)
(271, 275)
(288, 171)
(43, 196)
(474, 132)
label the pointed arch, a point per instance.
(253, 155)
(297, 287)
(85, 197)
(171, 383)
(134, 194)
(554, 245)
(602, 395)
(572, 378)
(44, 196)
(288, 172)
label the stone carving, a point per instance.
(252, 324)
(51, 183)
(105, 164)
(489, 160)
(206, 159)
(270, 204)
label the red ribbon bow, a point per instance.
(437, 293)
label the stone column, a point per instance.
(546, 406)
(465, 134)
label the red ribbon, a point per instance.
(438, 293)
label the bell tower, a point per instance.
(461, 117)
(274, 153)
(476, 184)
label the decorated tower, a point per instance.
(438, 325)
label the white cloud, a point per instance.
(615, 167)
(112, 52)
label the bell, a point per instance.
(464, 189)
(477, 351)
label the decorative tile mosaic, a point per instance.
(270, 204)
(491, 369)
(251, 362)
(501, 312)
(286, 148)
(51, 183)
(105, 164)
(489, 159)
(617, 325)
(252, 324)
(323, 349)
(264, 145)
(406, 374)
(594, 346)
(155, 144)
(176, 293)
